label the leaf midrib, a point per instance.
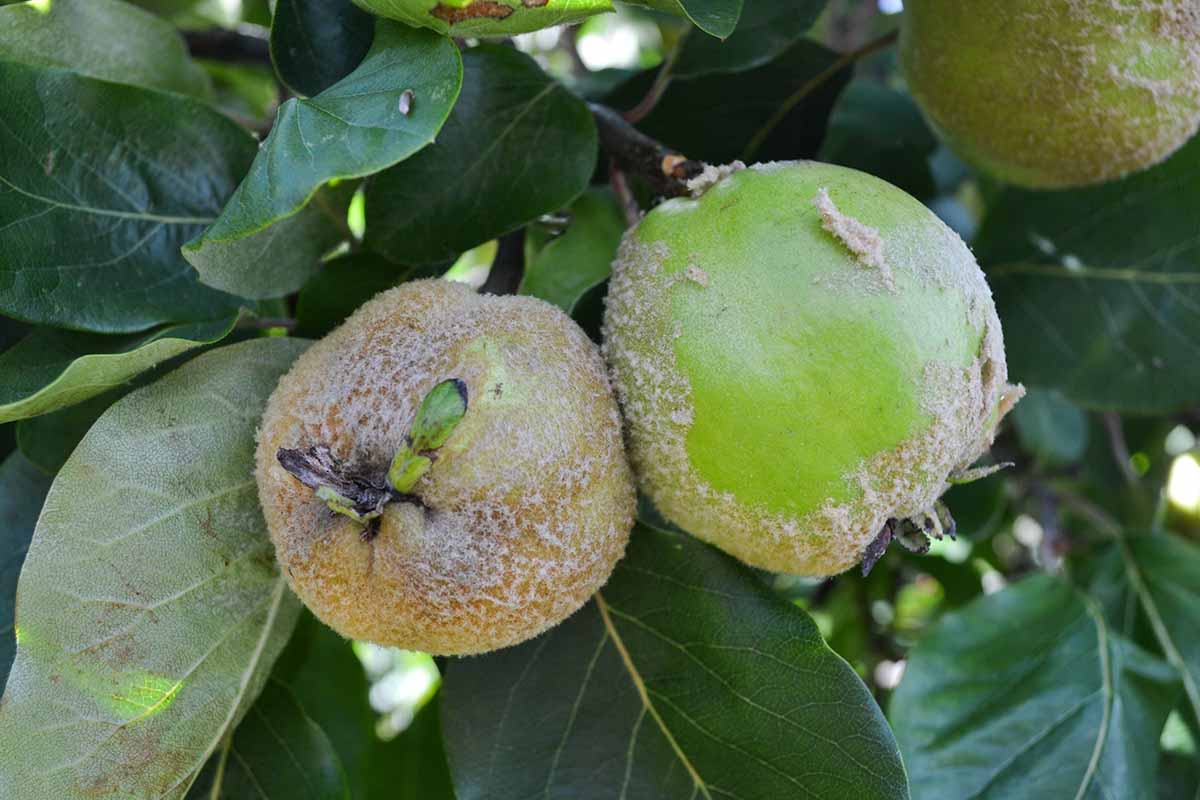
(639, 684)
(108, 212)
(1174, 656)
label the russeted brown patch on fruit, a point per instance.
(528, 504)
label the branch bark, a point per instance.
(635, 153)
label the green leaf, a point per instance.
(485, 17)
(106, 39)
(717, 18)
(517, 145)
(316, 43)
(685, 677)
(1162, 571)
(764, 31)
(328, 680)
(1179, 778)
(1050, 426)
(581, 258)
(357, 127)
(978, 507)
(248, 91)
(1028, 693)
(99, 186)
(278, 259)
(321, 670)
(1099, 289)
(413, 765)
(880, 130)
(150, 607)
(52, 369)
(713, 117)
(277, 753)
(342, 285)
(207, 13)
(49, 439)
(22, 489)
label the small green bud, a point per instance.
(440, 412)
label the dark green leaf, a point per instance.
(22, 489)
(1028, 693)
(581, 258)
(316, 43)
(11, 332)
(717, 18)
(1162, 571)
(383, 112)
(150, 607)
(100, 184)
(413, 765)
(685, 677)
(978, 506)
(765, 30)
(106, 39)
(278, 259)
(246, 91)
(880, 130)
(326, 677)
(328, 680)
(714, 117)
(517, 145)
(52, 369)
(1051, 427)
(344, 284)
(487, 17)
(1179, 778)
(1099, 289)
(277, 753)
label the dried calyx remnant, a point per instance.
(362, 492)
(914, 533)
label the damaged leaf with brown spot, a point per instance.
(486, 17)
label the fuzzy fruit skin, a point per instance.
(529, 503)
(1056, 93)
(782, 397)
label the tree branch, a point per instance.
(635, 153)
